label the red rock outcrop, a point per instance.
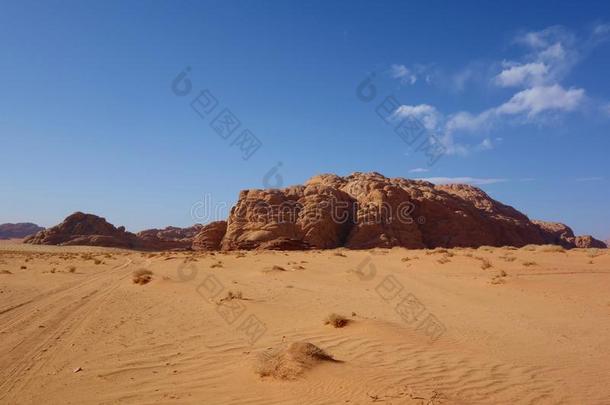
(369, 210)
(588, 241)
(360, 211)
(210, 236)
(170, 238)
(19, 230)
(85, 229)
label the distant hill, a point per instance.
(17, 231)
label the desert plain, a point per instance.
(490, 325)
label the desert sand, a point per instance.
(511, 326)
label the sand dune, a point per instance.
(457, 326)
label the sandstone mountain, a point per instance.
(366, 210)
(170, 238)
(91, 230)
(359, 211)
(85, 229)
(19, 230)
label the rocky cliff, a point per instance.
(19, 230)
(359, 211)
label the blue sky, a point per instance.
(517, 94)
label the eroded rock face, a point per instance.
(360, 211)
(85, 229)
(588, 241)
(19, 230)
(555, 233)
(314, 215)
(366, 210)
(210, 236)
(170, 238)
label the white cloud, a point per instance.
(550, 54)
(542, 98)
(403, 73)
(522, 74)
(418, 170)
(463, 180)
(427, 114)
(467, 122)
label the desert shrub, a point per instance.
(443, 260)
(289, 362)
(142, 276)
(552, 249)
(336, 320)
(485, 264)
(529, 263)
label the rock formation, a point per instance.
(210, 236)
(588, 241)
(85, 229)
(19, 230)
(555, 233)
(91, 230)
(360, 211)
(170, 238)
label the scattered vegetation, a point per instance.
(289, 362)
(97, 261)
(593, 253)
(485, 263)
(71, 269)
(336, 320)
(444, 259)
(237, 295)
(5, 272)
(529, 263)
(142, 276)
(340, 254)
(553, 249)
(23, 267)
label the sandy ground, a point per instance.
(463, 326)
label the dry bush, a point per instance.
(289, 362)
(23, 267)
(5, 272)
(508, 258)
(529, 263)
(594, 252)
(468, 254)
(216, 265)
(552, 249)
(485, 264)
(71, 269)
(336, 320)
(436, 251)
(529, 248)
(237, 295)
(444, 259)
(97, 261)
(142, 276)
(340, 254)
